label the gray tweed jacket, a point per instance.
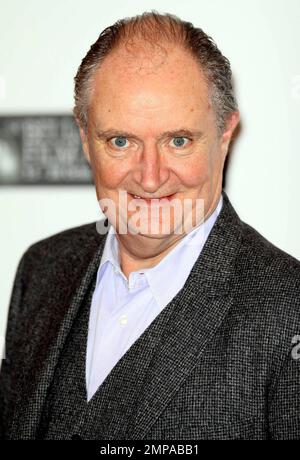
(221, 361)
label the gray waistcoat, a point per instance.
(66, 406)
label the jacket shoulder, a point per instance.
(260, 257)
(267, 288)
(65, 247)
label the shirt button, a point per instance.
(123, 320)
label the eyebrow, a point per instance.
(182, 132)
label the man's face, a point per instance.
(152, 133)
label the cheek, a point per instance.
(194, 172)
(108, 173)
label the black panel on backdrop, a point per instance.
(41, 150)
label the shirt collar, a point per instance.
(186, 251)
(111, 249)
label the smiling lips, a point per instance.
(149, 200)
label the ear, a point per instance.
(84, 141)
(230, 125)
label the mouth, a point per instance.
(155, 199)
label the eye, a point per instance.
(119, 142)
(179, 142)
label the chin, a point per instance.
(159, 232)
(153, 236)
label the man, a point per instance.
(190, 333)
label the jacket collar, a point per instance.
(179, 334)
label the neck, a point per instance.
(136, 253)
(140, 251)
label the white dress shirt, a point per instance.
(122, 309)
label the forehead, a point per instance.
(149, 86)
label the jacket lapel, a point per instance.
(45, 347)
(187, 333)
(197, 312)
(143, 382)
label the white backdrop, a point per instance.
(41, 46)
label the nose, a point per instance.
(151, 172)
